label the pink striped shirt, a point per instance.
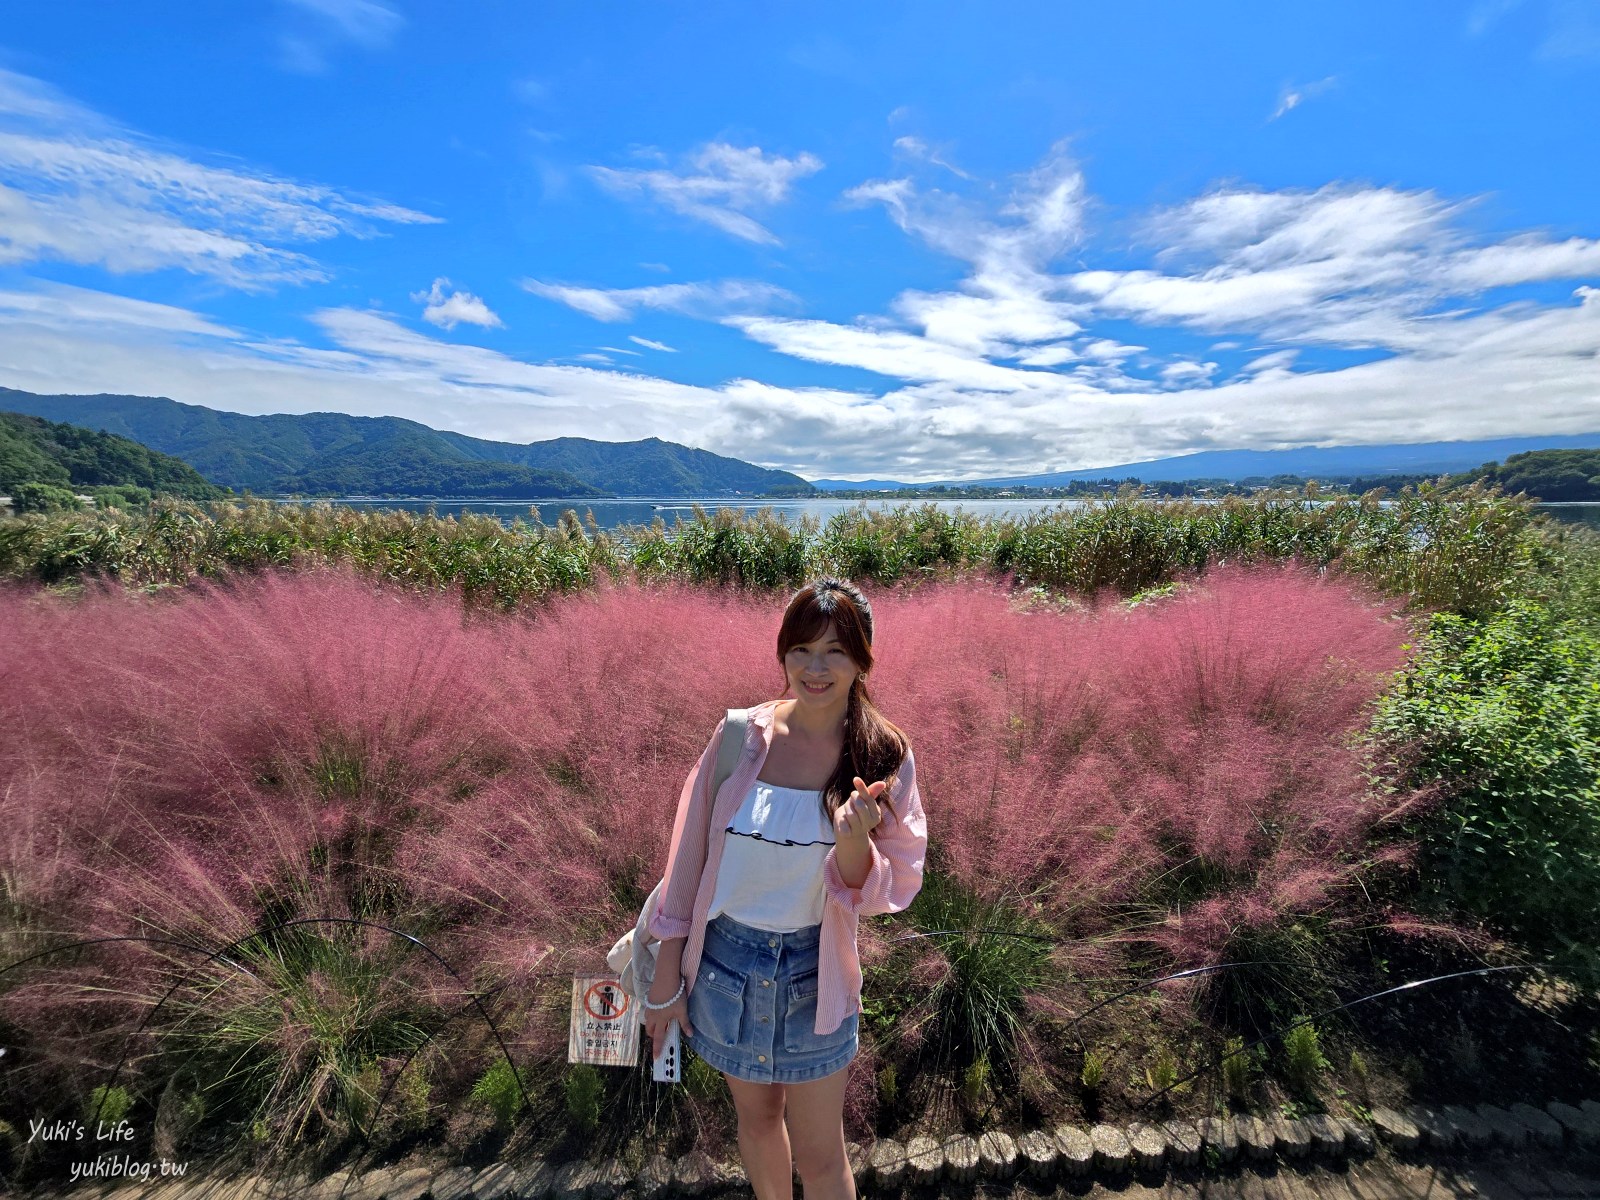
(897, 847)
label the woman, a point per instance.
(758, 961)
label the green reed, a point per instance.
(1466, 551)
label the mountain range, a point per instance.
(1320, 462)
(335, 454)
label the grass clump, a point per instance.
(1093, 1074)
(584, 1091)
(1238, 1069)
(498, 1090)
(106, 1107)
(1304, 1061)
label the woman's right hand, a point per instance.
(656, 1020)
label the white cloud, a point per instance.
(1293, 95)
(1186, 372)
(987, 321)
(620, 350)
(1108, 350)
(1278, 360)
(1031, 358)
(718, 185)
(26, 99)
(369, 24)
(75, 189)
(1574, 31)
(366, 22)
(61, 306)
(960, 422)
(915, 148)
(1486, 13)
(1346, 265)
(1049, 356)
(695, 299)
(887, 352)
(1045, 214)
(530, 90)
(1003, 309)
(456, 308)
(649, 345)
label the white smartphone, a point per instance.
(667, 1066)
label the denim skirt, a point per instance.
(754, 1006)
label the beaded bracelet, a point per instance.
(667, 1003)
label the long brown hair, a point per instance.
(874, 747)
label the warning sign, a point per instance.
(605, 1023)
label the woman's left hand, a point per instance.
(861, 814)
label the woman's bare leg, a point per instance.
(816, 1134)
(763, 1137)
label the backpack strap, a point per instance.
(732, 746)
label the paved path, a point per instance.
(1523, 1176)
(1492, 1178)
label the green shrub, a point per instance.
(413, 1095)
(584, 1090)
(974, 1080)
(1238, 1067)
(122, 495)
(1163, 1069)
(43, 498)
(888, 1085)
(1303, 1057)
(361, 1090)
(106, 1106)
(1467, 550)
(1505, 716)
(725, 547)
(1358, 1073)
(497, 1090)
(1570, 588)
(905, 541)
(1094, 1069)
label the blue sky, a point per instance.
(893, 240)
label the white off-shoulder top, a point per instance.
(771, 873)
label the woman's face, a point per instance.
(825, 662)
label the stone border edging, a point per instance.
(1069, 1151)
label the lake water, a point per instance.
(609, 514)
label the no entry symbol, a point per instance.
(605, 1001)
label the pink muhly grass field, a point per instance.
(1079, 760)
(314, 744)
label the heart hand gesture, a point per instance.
(861, 814)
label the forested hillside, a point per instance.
(335, 454)
(34, 450)
(1547, 474)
